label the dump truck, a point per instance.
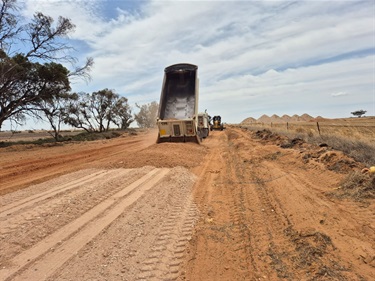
(204, 124)
(178, 108)
(216, 123)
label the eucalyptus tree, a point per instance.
(28, 53)
(121, 115)
(96, 111)
(146, 117)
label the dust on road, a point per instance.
(233, 208)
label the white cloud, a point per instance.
(254, 57)
(84, 14)
(339, 94)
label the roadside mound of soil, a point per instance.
(356, 185)
(333, 160)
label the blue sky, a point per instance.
(253, 57)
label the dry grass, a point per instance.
(312, 254)
(44, 139)
(357, 186)
(353, 128)
(356, 139)
(353, 136)
(360, 150)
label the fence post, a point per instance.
(287, 126)
(317, 124)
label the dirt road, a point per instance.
(234, 208)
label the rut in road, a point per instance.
(275, 246)
(30, 201)
(266, 217)
(168, 250)
(99, 199)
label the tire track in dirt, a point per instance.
(11, 208)
(287, 248)
(33, 223)
(167, 253)
(252, 222)
(38, 168)
(240, 230)
(219, 234)
(316, 244)
(271, 245)
(261, 239)
(40, 261)
(263, 221)
(158, 225)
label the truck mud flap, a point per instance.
(194, 139)
(177, 139)
(161, 140)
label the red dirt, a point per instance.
(238, 207)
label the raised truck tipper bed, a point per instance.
(178, 107)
